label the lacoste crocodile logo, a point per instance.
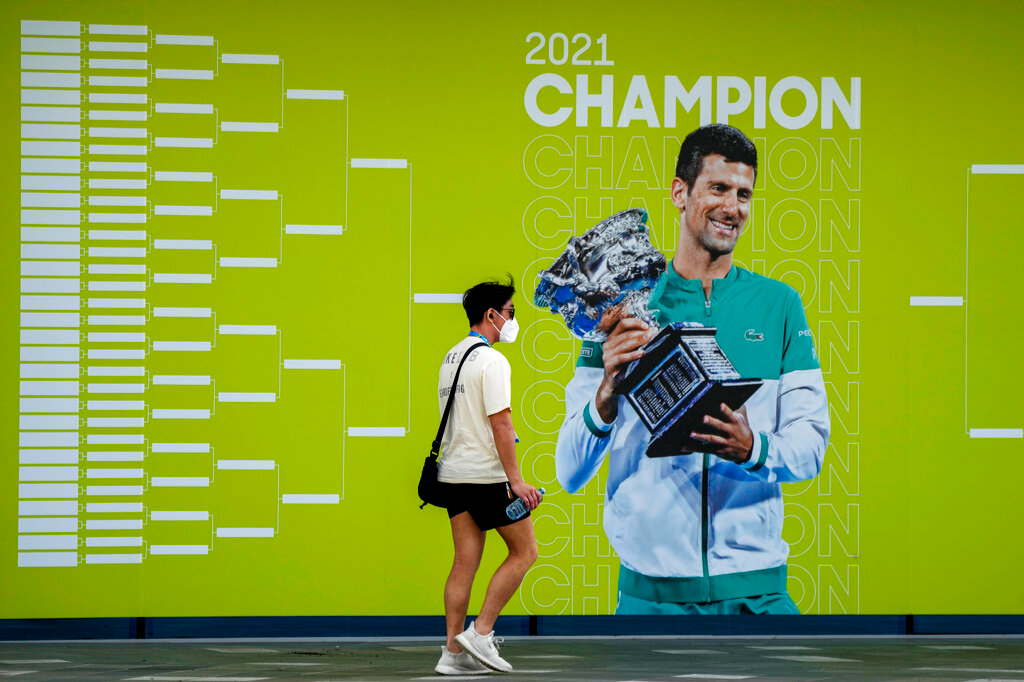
(751, 335)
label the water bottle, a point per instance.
(517, 509)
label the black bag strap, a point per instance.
(436, 447)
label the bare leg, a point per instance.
(469, 547)
(522, 552)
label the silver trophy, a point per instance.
(604, 275)
(609, 273)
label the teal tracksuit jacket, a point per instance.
(697, 528)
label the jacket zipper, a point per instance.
(704, 511)
(704, 525)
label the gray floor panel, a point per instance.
(536, 658)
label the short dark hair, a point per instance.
(717, 138)
(480, 298)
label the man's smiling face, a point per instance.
(717, 207)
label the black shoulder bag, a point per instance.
(430, 491)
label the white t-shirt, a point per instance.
(468, 454)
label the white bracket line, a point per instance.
(981, 169)
(961, 301)
(376, 432)
(937, 301)
(441, 298)
(401, 164)
(408, 423)
(997, 433)
(997, 169)
(967, 279)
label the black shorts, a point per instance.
(485, 502)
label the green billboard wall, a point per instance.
(238, 235)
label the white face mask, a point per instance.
(508, 332)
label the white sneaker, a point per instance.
(484, 648)
(459, 664)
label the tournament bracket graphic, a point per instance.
(985, 333)
(158, 231)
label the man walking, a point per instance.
(480, 477)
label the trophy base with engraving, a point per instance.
(683, 375)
